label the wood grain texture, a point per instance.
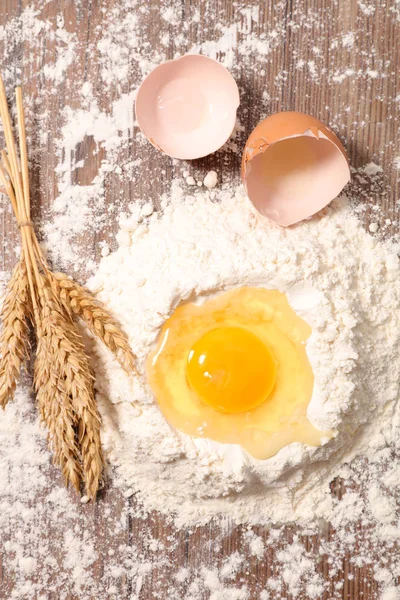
(310, 70)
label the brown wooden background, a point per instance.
(363, 109)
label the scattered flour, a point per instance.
(256, 546)
(373, 227)
(211, 179)
(371, 169)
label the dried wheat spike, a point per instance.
(16, 316)
(100, 322)
(65, 391)
(57, 415)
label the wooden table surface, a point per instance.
(314, 68)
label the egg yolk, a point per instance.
(231, 369)
(234, 369)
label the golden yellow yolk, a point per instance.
(231, 369)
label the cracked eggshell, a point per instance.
(293, 166)
(187, 107)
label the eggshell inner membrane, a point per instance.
(294, 178)
(187, 107)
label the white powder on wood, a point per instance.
(211, 179)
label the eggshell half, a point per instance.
(187, 107)
(293, 166)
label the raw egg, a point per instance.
(293, 166)
(187, 107)
(235, 370)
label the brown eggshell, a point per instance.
(293, 166)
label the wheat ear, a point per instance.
(16, 314)
(100, 322)
(57, 414)
(65, 391)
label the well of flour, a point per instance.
(342, 281)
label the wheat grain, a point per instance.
(15, 316)
(100, 322)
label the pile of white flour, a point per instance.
(339, 278)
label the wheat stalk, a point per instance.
(63, 378)
(15, 316)
(101, 323)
